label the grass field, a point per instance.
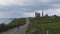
(53, 28)
(44, 25)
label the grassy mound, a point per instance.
(18, 21)
(11, 25)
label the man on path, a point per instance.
(18, 25)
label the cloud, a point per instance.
(18, 2)
(25, 8)
(29, 14)
(11, 14)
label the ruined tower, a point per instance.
(42, 13)
(37, 15)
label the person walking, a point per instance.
(18, 26)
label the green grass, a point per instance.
(18, 21)
(53, 28)
(52, 25)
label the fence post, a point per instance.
(47, 32)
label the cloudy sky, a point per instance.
(27, 8)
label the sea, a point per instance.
(5, 20)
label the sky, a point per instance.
(27, 8)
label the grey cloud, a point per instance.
(35, 5)
(18, 10)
